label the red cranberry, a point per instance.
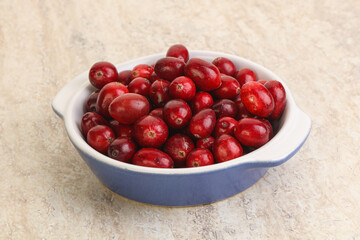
(125, 77)
(226, 148)
(229, 88)
(107, 94)
(178, 147)
(122, 149)
(90, 120)
(157, 112)
(202, 124)
(201, 101)
(245, 75)
(242, 111)
(159, 92)
(262, 81)
(277, 90)
(102, 73)
(257, 99)
(224, 108)
(100, 137)
(140, 86)
(152, 157)
(177, 113)
(199, 157)
(121, 130)
(225, 125)
(153, 77)
(90, 104)
(269, 127)
(224, 65)
(182, 87)
(207, 142)
(205, 75)
(129, 107)
(150, 131)
(178, 51)
(252, 132)
(169, 68)
(142, 70)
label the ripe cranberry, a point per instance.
(150, 131)
(199, 157)
(201, 101)
(152, 157)
(178, 147)
(140, 86)
(202, 124)
(153, 77)
(159, 92)
(125, 77)
(245, 75)
(226, 148)
(182, 87)
(269, 127)
(207, 142)
(277, 90)
(178, 51)
(205, 75)
(242, 111)
(90, 104)
(224, 65)
(122, 149)
(102, 73)
(229, 88)
(224, 108)
(142, 70)
(90, 120)
(252, 132)
(129, 107)
(257, 99)
(169, 68)
(157, 112)
(177, 113)
(107, 94)
(121, 130)
(100, 137)
(225, 125)
(262, 81)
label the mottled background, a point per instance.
(48, 192)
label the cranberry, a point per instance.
(125, 77)
(226, 148)
(245, 75)
(229, 88)
(100, 137)
(203, 123)
(107, 94)
(199, 157)
(177, 113)
(178, 51)
(152, 157)
(142, 70)
(225, 108)
(90, 104)
(277, 90)
(182, 87)
(159, 92)
(242, 111)
(257, 99)
(122, 149)
(140, 86)
(169, 68)
(225, 125)
(153, 77)
(262, 81)
(178, 147)
(224, 65)
(129, 107)
(201, 101)
(102, 73)
(205, 75)
(150, 131)
(90, 120)
(121, 130)
(157, 112)
(207, 142)
(252, 132)
(269, 127)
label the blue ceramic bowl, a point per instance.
(183, 186)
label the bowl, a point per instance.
(183, 186)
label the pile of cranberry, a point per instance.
(180, 112)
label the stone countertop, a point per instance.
(48, 192)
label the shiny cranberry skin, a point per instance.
(226, 148)
(205, 75)
(229, 88)
(257, 99)
(182, 87)
(152, 157)
(129, 107)
(225, 125)
(224, 108)
(102, 73)
(125, 77)
(142, 70)
(140, 86)
(121, 130)
(150, 131)
(269, 127)
(107, 94)
(157, 112)
(277, 90)
(207, 142)
(199, 157)
(202, 124)
(178, 147)
(169, 68)
(90, 104)
(100, 137)
(159, 92)
(90, 120)
(178, 51)
(262, 81)
(252, 132)
(122, 149)
(177, 113)
(201, 101)
(245, 75)
(225, 65)
(153, 77)
(242, 111)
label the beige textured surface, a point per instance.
(47, 191)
